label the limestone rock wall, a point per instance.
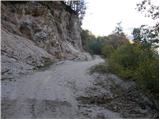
(36, 32)
(50, 25)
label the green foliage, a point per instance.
(137, 63)
(107, 50)
(133, 62)
(95, 47)
(87, 38)
(136, 34)
(101, 45)
(90, 43)
(124, 60)
(112, 42)
(116, 40)
(147, 73)
(148, 34)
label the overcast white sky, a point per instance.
(103, 15)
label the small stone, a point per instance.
(100, 116)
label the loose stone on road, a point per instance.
(50, 93)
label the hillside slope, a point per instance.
(34, 33)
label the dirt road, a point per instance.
(51, 93)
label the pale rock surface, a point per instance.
(34, 33)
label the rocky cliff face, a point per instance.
(34, 33)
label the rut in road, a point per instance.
(50, 93)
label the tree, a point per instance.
(87, 37)
(119, 30)
(78, 6)
(116, 40)
(149, 9)
(148, 34)
(136, 34)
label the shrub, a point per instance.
(147, 75)
(107, 50)
(116, 40)
(137, 63)
(133, 62)
(87, 38)
(93, 44)
(124, 60)
(95, 47)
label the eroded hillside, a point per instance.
(36, 33)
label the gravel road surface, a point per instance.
(51, 93)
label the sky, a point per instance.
(102, 16)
